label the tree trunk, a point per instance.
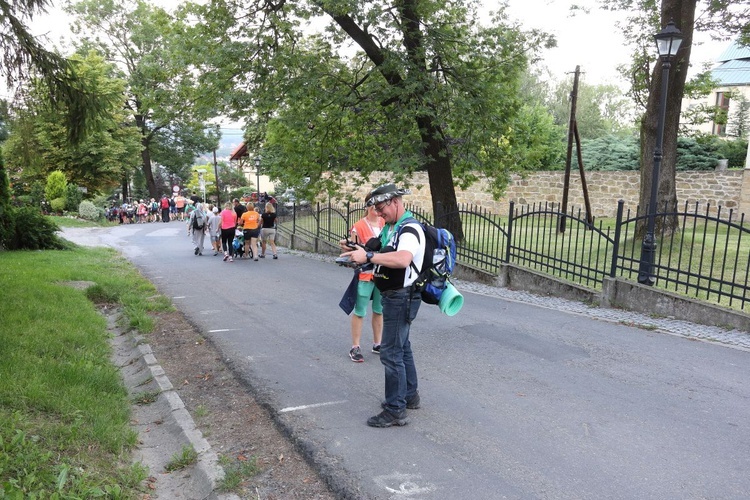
(444, 201)
(148, 172)
(683, 14)
(125, 188)
(434, 145)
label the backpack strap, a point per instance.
(420, 281)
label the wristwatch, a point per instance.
(369, 256)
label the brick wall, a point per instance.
(729, 188)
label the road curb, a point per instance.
(164, 425)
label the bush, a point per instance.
(26, 228)
(735, 151)
(610, 153)
(57, 205)
(73, 198)
(88, 211)
(24, 200)
(695, 154)
(4, 185)
(56, 186)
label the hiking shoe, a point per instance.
(276, 257)
(412, 403)
(356, 355)
(376, 349)
(386, 419)
(262, 256)
(196, 250)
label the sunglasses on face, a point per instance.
(381, 206)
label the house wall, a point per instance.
(728, 188)
(710, 100)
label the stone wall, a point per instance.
(729, 188)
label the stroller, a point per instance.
(238, 244)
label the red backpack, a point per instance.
(164, 203)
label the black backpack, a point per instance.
(199, 219)
(439, 261)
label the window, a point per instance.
(722, 110)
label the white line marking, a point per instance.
(180, 297)
(316, 405)
(223, 330)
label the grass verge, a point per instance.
(64, 411)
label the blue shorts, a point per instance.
(366, 290)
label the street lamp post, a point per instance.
(257, 179)
(202, 182)
(667, 42)
(218, 189)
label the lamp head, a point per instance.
(668, 40)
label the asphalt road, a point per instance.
(518, 401)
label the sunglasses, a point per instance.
(380, 207)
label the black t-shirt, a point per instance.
(239, 210)
(269, 220)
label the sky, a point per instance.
(591, 41)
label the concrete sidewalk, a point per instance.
(164, 426)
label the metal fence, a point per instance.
(707, 258)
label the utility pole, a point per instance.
(569, 154)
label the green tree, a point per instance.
(4, 120)
(695, 115)
(738, 122)
(601, 110)
(165, 103)
(24, 56)
(39, 144)
(733, 150)
(56, 186)
(645, 18)
(4, 186)
(396, 86)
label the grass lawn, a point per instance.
(64, 411)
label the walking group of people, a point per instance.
(237, 222)
(145, 211)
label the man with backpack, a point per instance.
(196, 227)
(397, 267)
(164, 204)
